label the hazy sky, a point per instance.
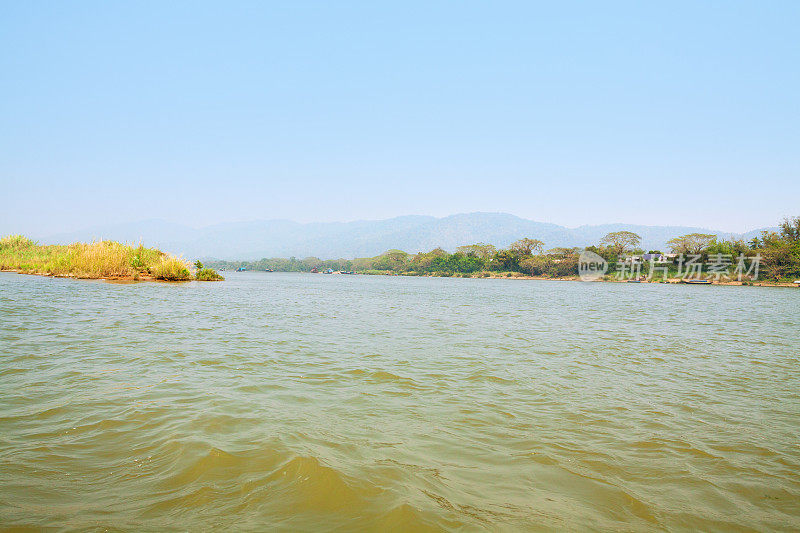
(566, 112)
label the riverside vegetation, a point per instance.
(97, 260)
(779, 254)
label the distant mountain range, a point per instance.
(367, 238)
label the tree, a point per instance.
(479, 250)
(621, 241)
(536, 265)
(780, 252)
(790, 229)
(391, 260)
(693, 243)
(779, 258)
(310, 263)
(198, 265)
(459, 262)
(505, 260)
(563, 252)
(527, 246)
(731, 247)
(426, 262)
(606, 252)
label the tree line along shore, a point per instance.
(777, 254)
(98, 260)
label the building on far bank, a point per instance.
(659, 258)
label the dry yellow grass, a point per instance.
(104, 259)
(171, 268)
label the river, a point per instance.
(275, 401)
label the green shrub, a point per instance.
(207, 274)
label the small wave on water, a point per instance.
(267, 487)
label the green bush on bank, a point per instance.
(207, 274)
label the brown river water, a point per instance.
(300, 402)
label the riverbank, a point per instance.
(134, 278)
(107, 260)
(606, 279)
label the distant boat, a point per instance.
(697, 281)
(796, 283)
(634, 281)
(315, 270)
(241, 269)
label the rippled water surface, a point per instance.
(312, 402)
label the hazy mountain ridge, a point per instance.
(366, 238)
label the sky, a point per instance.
(658, 113)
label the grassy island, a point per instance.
(96, 260)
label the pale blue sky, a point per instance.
(565, 112)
